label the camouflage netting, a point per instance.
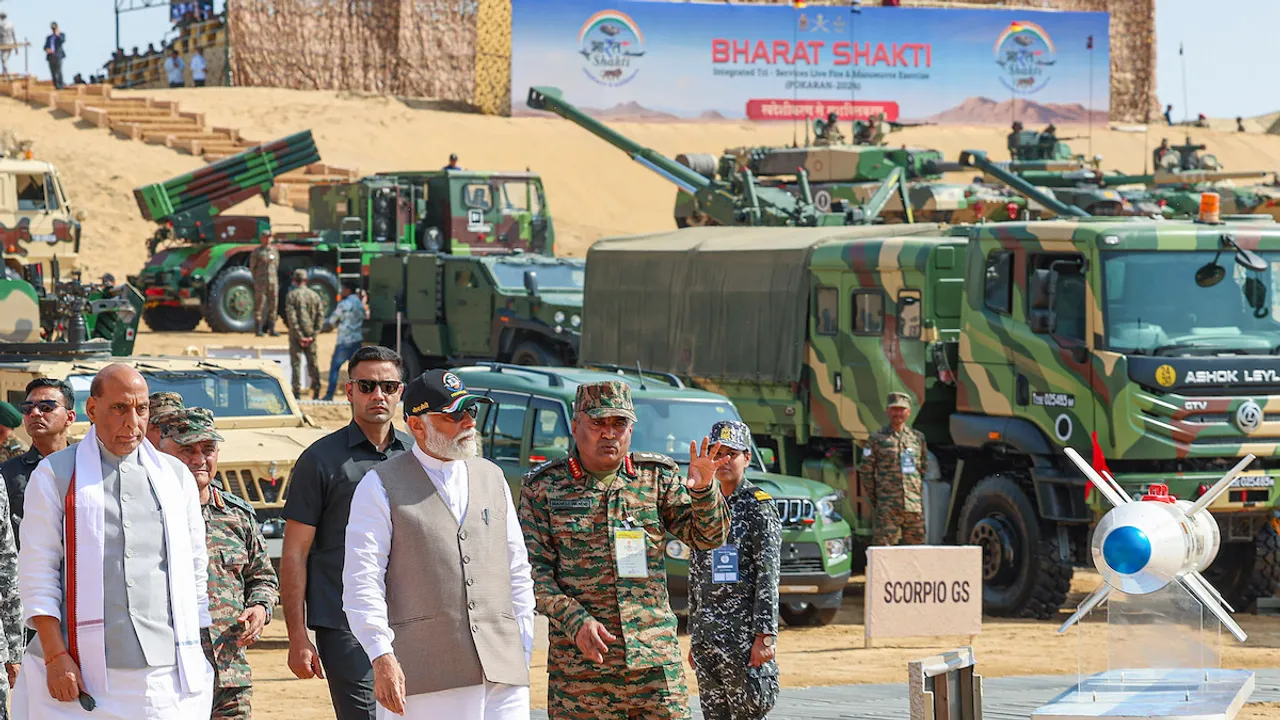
(460, 50)
(450, 50)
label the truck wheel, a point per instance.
(229, 305)
(1024, 573)
(1266, 563)
(806, 614)
(1233, 573)
(531, 353)
(171, 319)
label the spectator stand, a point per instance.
(147, 70)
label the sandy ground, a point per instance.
(593, 189)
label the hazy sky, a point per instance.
(1218, 83)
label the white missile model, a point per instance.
(1142, 546)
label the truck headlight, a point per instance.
(559, 316)
(677, 550)
(575, 320)
(829, 507)
(837, 549)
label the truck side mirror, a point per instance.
(767, 457)
(531, 282)
(1040, 315)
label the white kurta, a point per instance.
(364, 593)
(153, 693)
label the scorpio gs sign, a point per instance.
(611, 45)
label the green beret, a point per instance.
(9, 415)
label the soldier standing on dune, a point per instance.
(892, 470)
(304, 310)
(264, 263)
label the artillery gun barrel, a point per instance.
(549, 99)
(895, 181)
(978, 159)
(1191, 177)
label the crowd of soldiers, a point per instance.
(591, 525)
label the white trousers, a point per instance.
(146, 694)
(474, 702)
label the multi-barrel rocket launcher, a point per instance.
(742, 200)
(1140, 546)
(191, 207)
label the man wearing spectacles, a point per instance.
(10, 420)
(316, 512)
(733, 594)
(458, 588)
(46, 414)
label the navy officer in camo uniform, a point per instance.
(733, 594)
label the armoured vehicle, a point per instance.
(263, 427)
(65, 316)
(201, 256)
(1015, 340)
(529, 422)
(37, 220)
(739, 199)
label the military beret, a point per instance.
(9, 415)
(611, 398)
(191, 425)
(731, 434)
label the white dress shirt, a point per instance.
(364, 589)
(197, 67)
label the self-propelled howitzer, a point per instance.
(741, 201)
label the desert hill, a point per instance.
(981, 110)
(593, 189)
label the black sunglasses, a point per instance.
(46, 406)
(457, 415)
(389, 387)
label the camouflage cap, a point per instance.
(162, 405)
(731, 434)
(611, 398)
(299, 274)
(9, 415)
(899, 399)
(191, 425)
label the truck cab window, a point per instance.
(477, 195)
(31, 193)
(827, 311)
(1069, 307)
(999, 281)
(868, 312)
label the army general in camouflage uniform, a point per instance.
(594, 524)
(304, 310)
(892, 471)
(242, 583)
(10, 419)
(733, 594)
(264, 263)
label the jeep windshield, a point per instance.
(228, 393)
(668, 426)
(1190, 303)
(564, 275)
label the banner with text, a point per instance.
(640, 60)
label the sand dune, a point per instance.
(593, 190)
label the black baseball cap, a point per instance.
(438, 391)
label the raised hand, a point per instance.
(703, 464)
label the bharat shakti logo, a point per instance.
(611, 46)
(1024, 53)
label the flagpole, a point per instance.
(797, 5)
(1185, 106)
(1090, 111)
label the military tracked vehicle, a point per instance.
(1015, 340)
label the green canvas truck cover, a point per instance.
(724, 302)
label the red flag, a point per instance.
(1099, 462)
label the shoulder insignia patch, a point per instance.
(648, 457)
(235, 501)
(763, 496)
(537, 470)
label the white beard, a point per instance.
(453, 448)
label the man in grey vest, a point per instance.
(455, 600)
(113, 573)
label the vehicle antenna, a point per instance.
(640, 372)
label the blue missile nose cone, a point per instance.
(1127, 550)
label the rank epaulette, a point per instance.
(648, 457)
(763, 496)
(538, 469)
(235, 501)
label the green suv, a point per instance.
(528, 424)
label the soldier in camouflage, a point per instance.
(594, 524)
(304, 310)
(161, 408)
(242, 583)
(733, 594)
(10, 419)
(830, 132)
(264, 263)
(892, 469)
(12, 639)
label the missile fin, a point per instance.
(1096, 598)
(1113, 496)
(1191, 581)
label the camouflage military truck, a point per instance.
(528, 424)
(1014, 340)
(200, 265)
(261, 422)
(441, 309)
(37, 220)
